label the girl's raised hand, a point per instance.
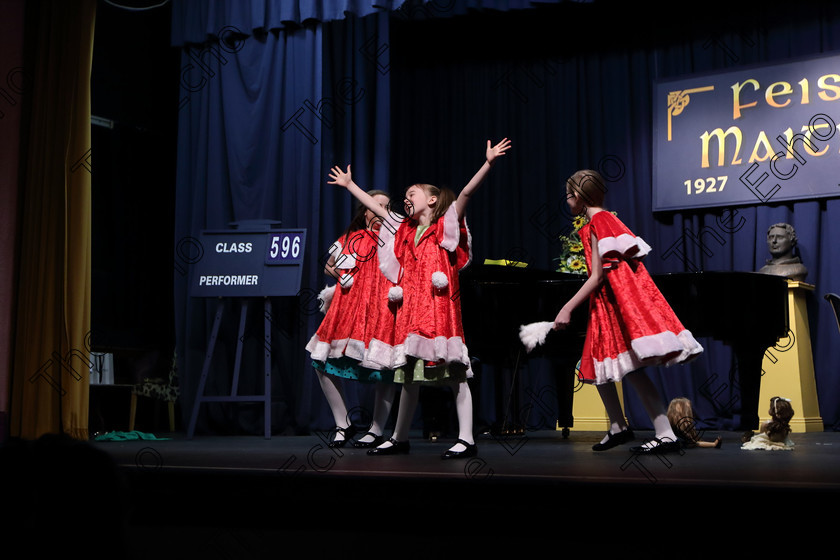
(339, 177)
(497, 150)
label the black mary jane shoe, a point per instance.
(614, 440)
(377, 441)
(662, 446)
(470, 451)
(347, 432)
(396, 448)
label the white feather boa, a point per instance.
(325, 297)
(534, 334)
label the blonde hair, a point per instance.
(589, 185)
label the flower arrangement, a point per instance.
(571, 257)
(571, 254)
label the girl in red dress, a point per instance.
(423, 255)
(358, 315)
(630, 323)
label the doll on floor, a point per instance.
(774, 434)
(684, 422)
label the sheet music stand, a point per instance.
(250, 262)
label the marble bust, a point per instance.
(781, 240)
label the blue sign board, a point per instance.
(756, 135)
(249, 263)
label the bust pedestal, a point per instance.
(788, 367)
(588, 409)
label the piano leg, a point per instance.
(748, 381)
(547, 394)
(509, 401)
(524, 402)
(565, 381)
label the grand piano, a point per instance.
(745, 310)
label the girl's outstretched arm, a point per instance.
(492, 153)
(596, 278)
(345, 180)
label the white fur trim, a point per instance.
(345, 262)
(451, 229)
(378, 355)
(385, 356)
(452, 234)
(626, 245)
(346, 281)
(663, 349)
(388, 263)
(439, 280)
(342, 261)
(395, 293)
(355, 349)
(335, 249)
(534, 334)
(325, 296)
(321, 350)
(667, 348)
(437, 349)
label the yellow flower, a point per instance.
(577, 264)
(570, 258)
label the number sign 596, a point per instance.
(284, 247)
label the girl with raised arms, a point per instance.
(423, 255)
(357, 312)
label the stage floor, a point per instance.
(256, 496)
(534, 457)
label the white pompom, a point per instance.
(325, 296)
(534, 334)
(439, 280)
(395, 294)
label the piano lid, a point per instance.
(741, 308)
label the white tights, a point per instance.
(384, 395)
(408, 405)
(651, 400)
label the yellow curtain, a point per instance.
(50, 375)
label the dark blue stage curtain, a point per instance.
(571, 84)
(272, 95)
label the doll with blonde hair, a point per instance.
(684, 423)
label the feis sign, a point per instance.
(249, 262)
(750, 136)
